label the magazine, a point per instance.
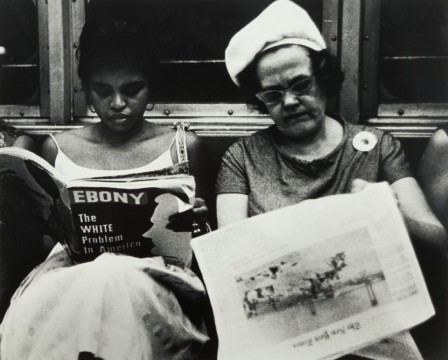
(122, 213)
(315, 280)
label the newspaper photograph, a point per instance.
(315, 280)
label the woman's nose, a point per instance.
(289, 98)
(118, 102)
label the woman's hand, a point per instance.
(185, 221)
(359, 185)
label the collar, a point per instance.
(316, 166)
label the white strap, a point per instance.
(56, 143)
(181, 141)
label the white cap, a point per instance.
(281, 23)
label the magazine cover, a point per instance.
(123, 213)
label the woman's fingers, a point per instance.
(184, 221)
(200, 210)
(359, 185)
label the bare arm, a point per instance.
(231, 208)
(49, 150)
(433, 174)
(430, 244)
(420, 220)
(198, 156)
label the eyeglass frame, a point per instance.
(309, 78)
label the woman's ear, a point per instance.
(150, 106)
(151, 101)
(89, 101)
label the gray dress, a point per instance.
(255, 166)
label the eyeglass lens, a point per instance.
(276, 96)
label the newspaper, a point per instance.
(126, 212)
(314, 280)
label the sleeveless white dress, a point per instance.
(113, 308)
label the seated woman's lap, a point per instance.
(112, 307)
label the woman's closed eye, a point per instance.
(133, 88)
(130, 89)
(102, 90)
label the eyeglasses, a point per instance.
(299, 88)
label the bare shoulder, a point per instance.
(156, 132)
(67, 139)
(433, 167)
(49, 150)
(195, 147)
(193, 140)
(436, 151)
(73, 136)
(439, 141)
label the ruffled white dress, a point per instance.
(114, 308)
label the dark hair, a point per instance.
(117, 40)
(325, 68)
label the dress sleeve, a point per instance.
(232, 175)
(394, 165)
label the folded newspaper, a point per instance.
(123, 213)
(314, 281)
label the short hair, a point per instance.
(325, 66)
(115, 41)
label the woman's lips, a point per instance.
(118, 116)
(296, 116)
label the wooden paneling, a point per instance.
(42, 8)
(59, 61)
(77, 17)
(370, 39)
(351, 29)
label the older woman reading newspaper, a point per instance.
(281, 59)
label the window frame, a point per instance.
(350, 28)
(220, 119)
(54, 104)
(405, 120)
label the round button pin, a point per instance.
(364, 141)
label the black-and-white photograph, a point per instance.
(313, 288)
(262, 105)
